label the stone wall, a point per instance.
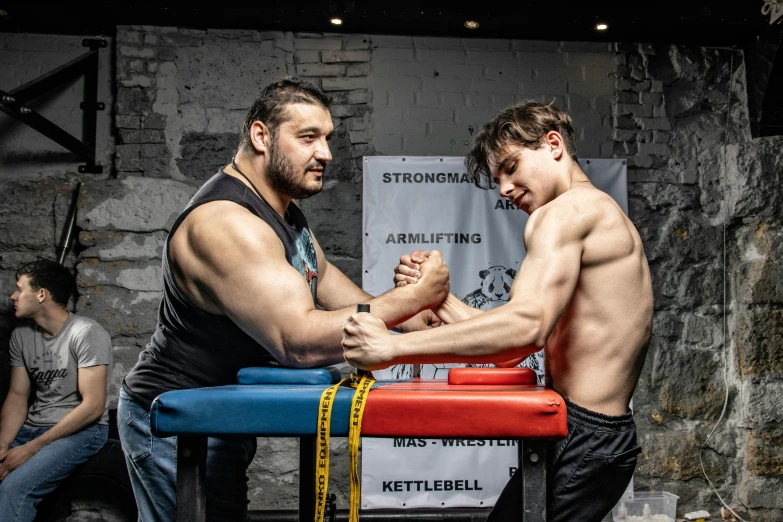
(707, 204)
(754, 208)
(693, 179)
(670, 122)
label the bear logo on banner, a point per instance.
(495, 286)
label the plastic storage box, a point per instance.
(646, 506)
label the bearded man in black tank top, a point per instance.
(247, 284)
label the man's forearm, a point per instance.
(77, 419)
(477, 339)
(397, 306)
(12, 418)
(452, 310)
(394, 307)
(318, 342)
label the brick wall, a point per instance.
(430, 95)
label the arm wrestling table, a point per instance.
(482, 403)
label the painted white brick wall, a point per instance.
(431, 95)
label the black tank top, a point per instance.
(191, 348)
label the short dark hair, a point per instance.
(52, 276)
(272, 101)
(524, 123)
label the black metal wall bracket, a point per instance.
(14, 103)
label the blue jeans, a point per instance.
(25, 487)
(152, 465)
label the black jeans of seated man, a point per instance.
(587, 473)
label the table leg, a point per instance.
(532, 460)
(306, 479)
(191, 478)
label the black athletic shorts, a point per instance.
(588, 470)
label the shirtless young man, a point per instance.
(583, 294)
(247, 284)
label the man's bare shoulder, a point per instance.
(220, 231)
(580, 206)
(575, 208)
(584, 199)
(215, 242)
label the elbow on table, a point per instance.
(297, 361)
(288, 352)
(530, 330)
(540, 341)
(301, 357)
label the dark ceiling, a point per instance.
(702, 22)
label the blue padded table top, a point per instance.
(265, 409)
(275, 375)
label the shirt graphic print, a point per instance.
(305, 261)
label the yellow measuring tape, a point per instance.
(362, 383)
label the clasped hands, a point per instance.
(407, 272)
(367, 343)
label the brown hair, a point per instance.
(525, 123)
(51, 276)
(271, 103)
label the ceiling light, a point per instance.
(3, 12)
(336, 21)
(601, 27)
(471, 24)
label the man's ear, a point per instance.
(260, 137)
(555, 142)
(42, 295)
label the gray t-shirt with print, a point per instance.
(52, 364)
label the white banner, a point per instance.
(444, 473)
(428, 203)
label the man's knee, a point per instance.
(15, 487)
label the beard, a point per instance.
(282, 175)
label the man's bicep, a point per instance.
(20, 381)
(265, 296)
(15, 352)
(550, 270)
(240, 263)
(92, 381)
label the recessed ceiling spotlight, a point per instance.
(471, 24)
(336, 21)
(601, 27)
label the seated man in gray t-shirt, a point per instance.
(67, 360)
